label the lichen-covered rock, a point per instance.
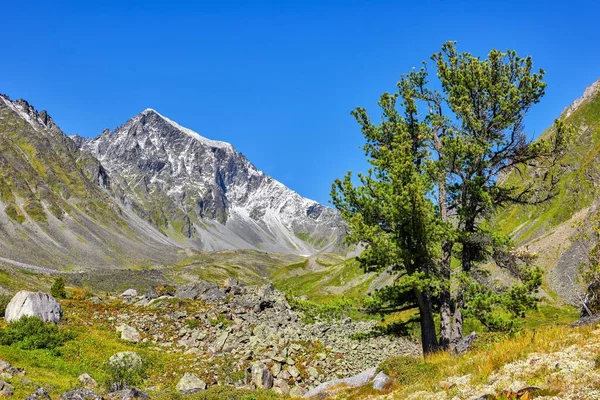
(261, 376)
(86, 380)
(129, 333)
(190, 383)
(80, 394)
(40, 394)
(6, 389)
(128, 394)
(33, 304)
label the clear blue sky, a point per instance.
(276, 79)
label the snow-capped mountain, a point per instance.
(204, 193)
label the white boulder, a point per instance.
(33, 304)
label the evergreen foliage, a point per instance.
(58, 289)
(438, 158)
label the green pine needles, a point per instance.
(438, 158)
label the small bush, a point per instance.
(58, 289)
(407, 370)
(125, 374)
(30, 333)
(81, 293)
(4, 300)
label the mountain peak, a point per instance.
(589, 93)
(187, 131)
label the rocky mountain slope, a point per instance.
(204, 193)
(556, 230)
(57, 211)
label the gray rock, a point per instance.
(297, 391)
(129, 333)
(40, 394)
(380, 381)
(129, 293)
(190, 383)
(464, 344)
(126, 360)
(354, 381)
(293, 371)
(80, 394)
(193, 291)
(35, 304)
(6, 389)
(86, 380)
(261, 376)
(588, 320)
(128, 394)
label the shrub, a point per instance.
(58, 289)
(81, 293)
(4, 300)
(126, 373)
(407, 369)
(30, 333)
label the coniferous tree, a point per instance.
(439, 159)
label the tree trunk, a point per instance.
(446, 334)
(468, 254)
(445, 267)
(428, 337)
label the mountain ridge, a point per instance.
(199, 181)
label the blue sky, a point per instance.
(276, 79)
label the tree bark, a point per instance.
(445, 267)
(428, 336)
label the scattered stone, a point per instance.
(40, 394)
(464, 344)
(80, 394)
(6, 389)
(380, 381)
(293, 371)
(190, 383)
(128, 394)
(297, 391)
(95, 300)
(129, 333)
(35, 304)
(86, 380)
(129, 293)
(261, 376)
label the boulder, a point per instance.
(190, 383)
(6, 389)
(380, 381)
(128, 394)
(354, 381)
(126, 360)
(261, 376)
(80, 394)
(34, 304)
(129, 293)
(40, 394)
(129, 333)
(87, 381)
(201, 290)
